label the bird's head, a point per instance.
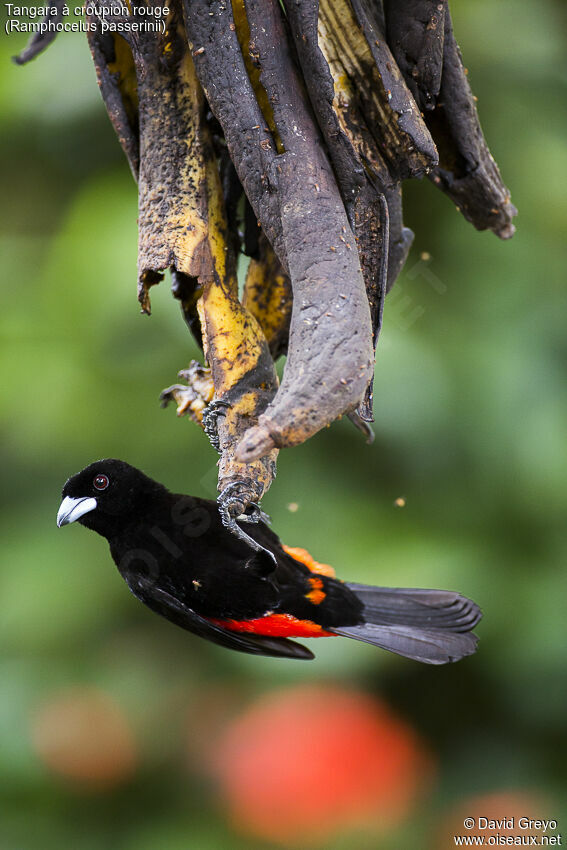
(105, 495)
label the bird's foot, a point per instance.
(199, 377)
(186, 400)
(194, 398)
(254, 513)
(234, 501)
(234, 506)
(210, 418)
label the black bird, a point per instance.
(178, 558)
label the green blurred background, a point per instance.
(470, 407)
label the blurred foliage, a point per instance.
(470, 406)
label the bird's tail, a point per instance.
(433, 626)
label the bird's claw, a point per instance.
(363, 425)
(254, 513)
(232, 501)
(210, 420)
(233, 507)
(184, 397)
(193, 398)
(230, 522)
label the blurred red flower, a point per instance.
(301, 764)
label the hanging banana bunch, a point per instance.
(283, 131)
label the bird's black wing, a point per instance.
(177, 612)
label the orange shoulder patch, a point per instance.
(303, 556)
(316, 594)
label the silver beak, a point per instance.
(72, 509)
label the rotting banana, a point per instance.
(416, 33)
(42, 37)
(330, 350)
(330, 355)
(333, 226)
(172, 213)
(367, 182)
(242, 369)
(390, 110)
(467, 172)
(156, 106)
(183, 226)
(116, 77)
(268, 296)
(224, 77)
(188, 290)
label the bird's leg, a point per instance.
(241, 485)
(210, 416)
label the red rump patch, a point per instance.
(275, 625)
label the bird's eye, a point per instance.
(100, 482)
